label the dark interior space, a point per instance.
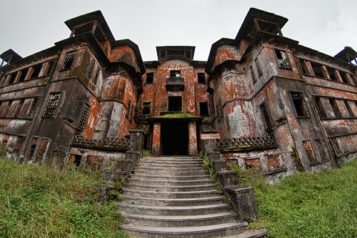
(175, 104)
(174, 137)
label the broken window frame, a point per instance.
(201, 78)
(283, 63)
(344, 77)
(149, 78)
(36, 71)
(336, 110)
(318, 73)
(68, 60)
(52, 105)
(302, 111)
(332, 71)
(303, 67)
(320, 107)
(84, 117)
(266, 116)
(22, 75)
(146, 108)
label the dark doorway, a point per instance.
(174, 137)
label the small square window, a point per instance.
(149, 78)
(146, 108)
(201, 78)
(204, 109)
(299, 104)
(175, 73)
(68, 60)
(283, 60)
(175, 104)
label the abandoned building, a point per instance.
(261, 100)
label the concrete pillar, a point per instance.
(192, 138)
(156, 139)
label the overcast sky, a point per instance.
(33, 25)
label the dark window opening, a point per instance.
(84, 117)
(252, 74)
(90, 69)
(349, 110)
(49, 68)
(332, 73)
(32, 108)
(175, 104)
(22, 75)
(317, 68)
(149, 78)
(12, 78)
(283, 60)
(269, 27)
(77, 160)
(266, 117)
(320, 107)
(175, 73)
(335, 108)
(19, 107)
(52, 104)
(68, 61)
(304, 68)
(204, 109)
(36, 71)
(344, 77)
(146, 108)
(201, 78)
(259, 68)
(299, 104)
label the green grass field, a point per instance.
(308, 205)
(37, 201)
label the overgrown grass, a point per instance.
(38, 201)
(308, 205)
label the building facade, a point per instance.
(262, 100)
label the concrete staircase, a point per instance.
(175, 197)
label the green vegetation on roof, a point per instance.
(178, 115)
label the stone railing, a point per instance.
(121, 145)
(246, 143)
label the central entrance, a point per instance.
(174, 137)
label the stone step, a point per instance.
(171, 178)
(160, 181)
(172, 201)
(185, 232)
(154, 194)
(171, 172)
(178, 221)
(173, 210)
(176, 162)
(249, 234)
(168, 166)
(156, 188)
(172, 158)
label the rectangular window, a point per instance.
(266, 118)
(252, 74)
(299, 104)
(175, 73)
(204, 109)
(5, 106)
(201, 78)
(36, 70)
(149, 78)
(32, 108)
(304, 68)
(349, 110)
(332, 73)
(309, 151)
(48, 68)
(320, 107)
(84, 117)
(68, 60)
(259, 69)
(335, 108)
(19, 107)
(90, 69)
(175, 104)
(317, 68)
(283, 60)
(146, 108)
(269, 27)
(52, 104)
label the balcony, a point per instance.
(175, 84)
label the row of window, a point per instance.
(175, 105)
(29, 73)
(326, 72)
(325, 104)
(201, 77)
(19, 108)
